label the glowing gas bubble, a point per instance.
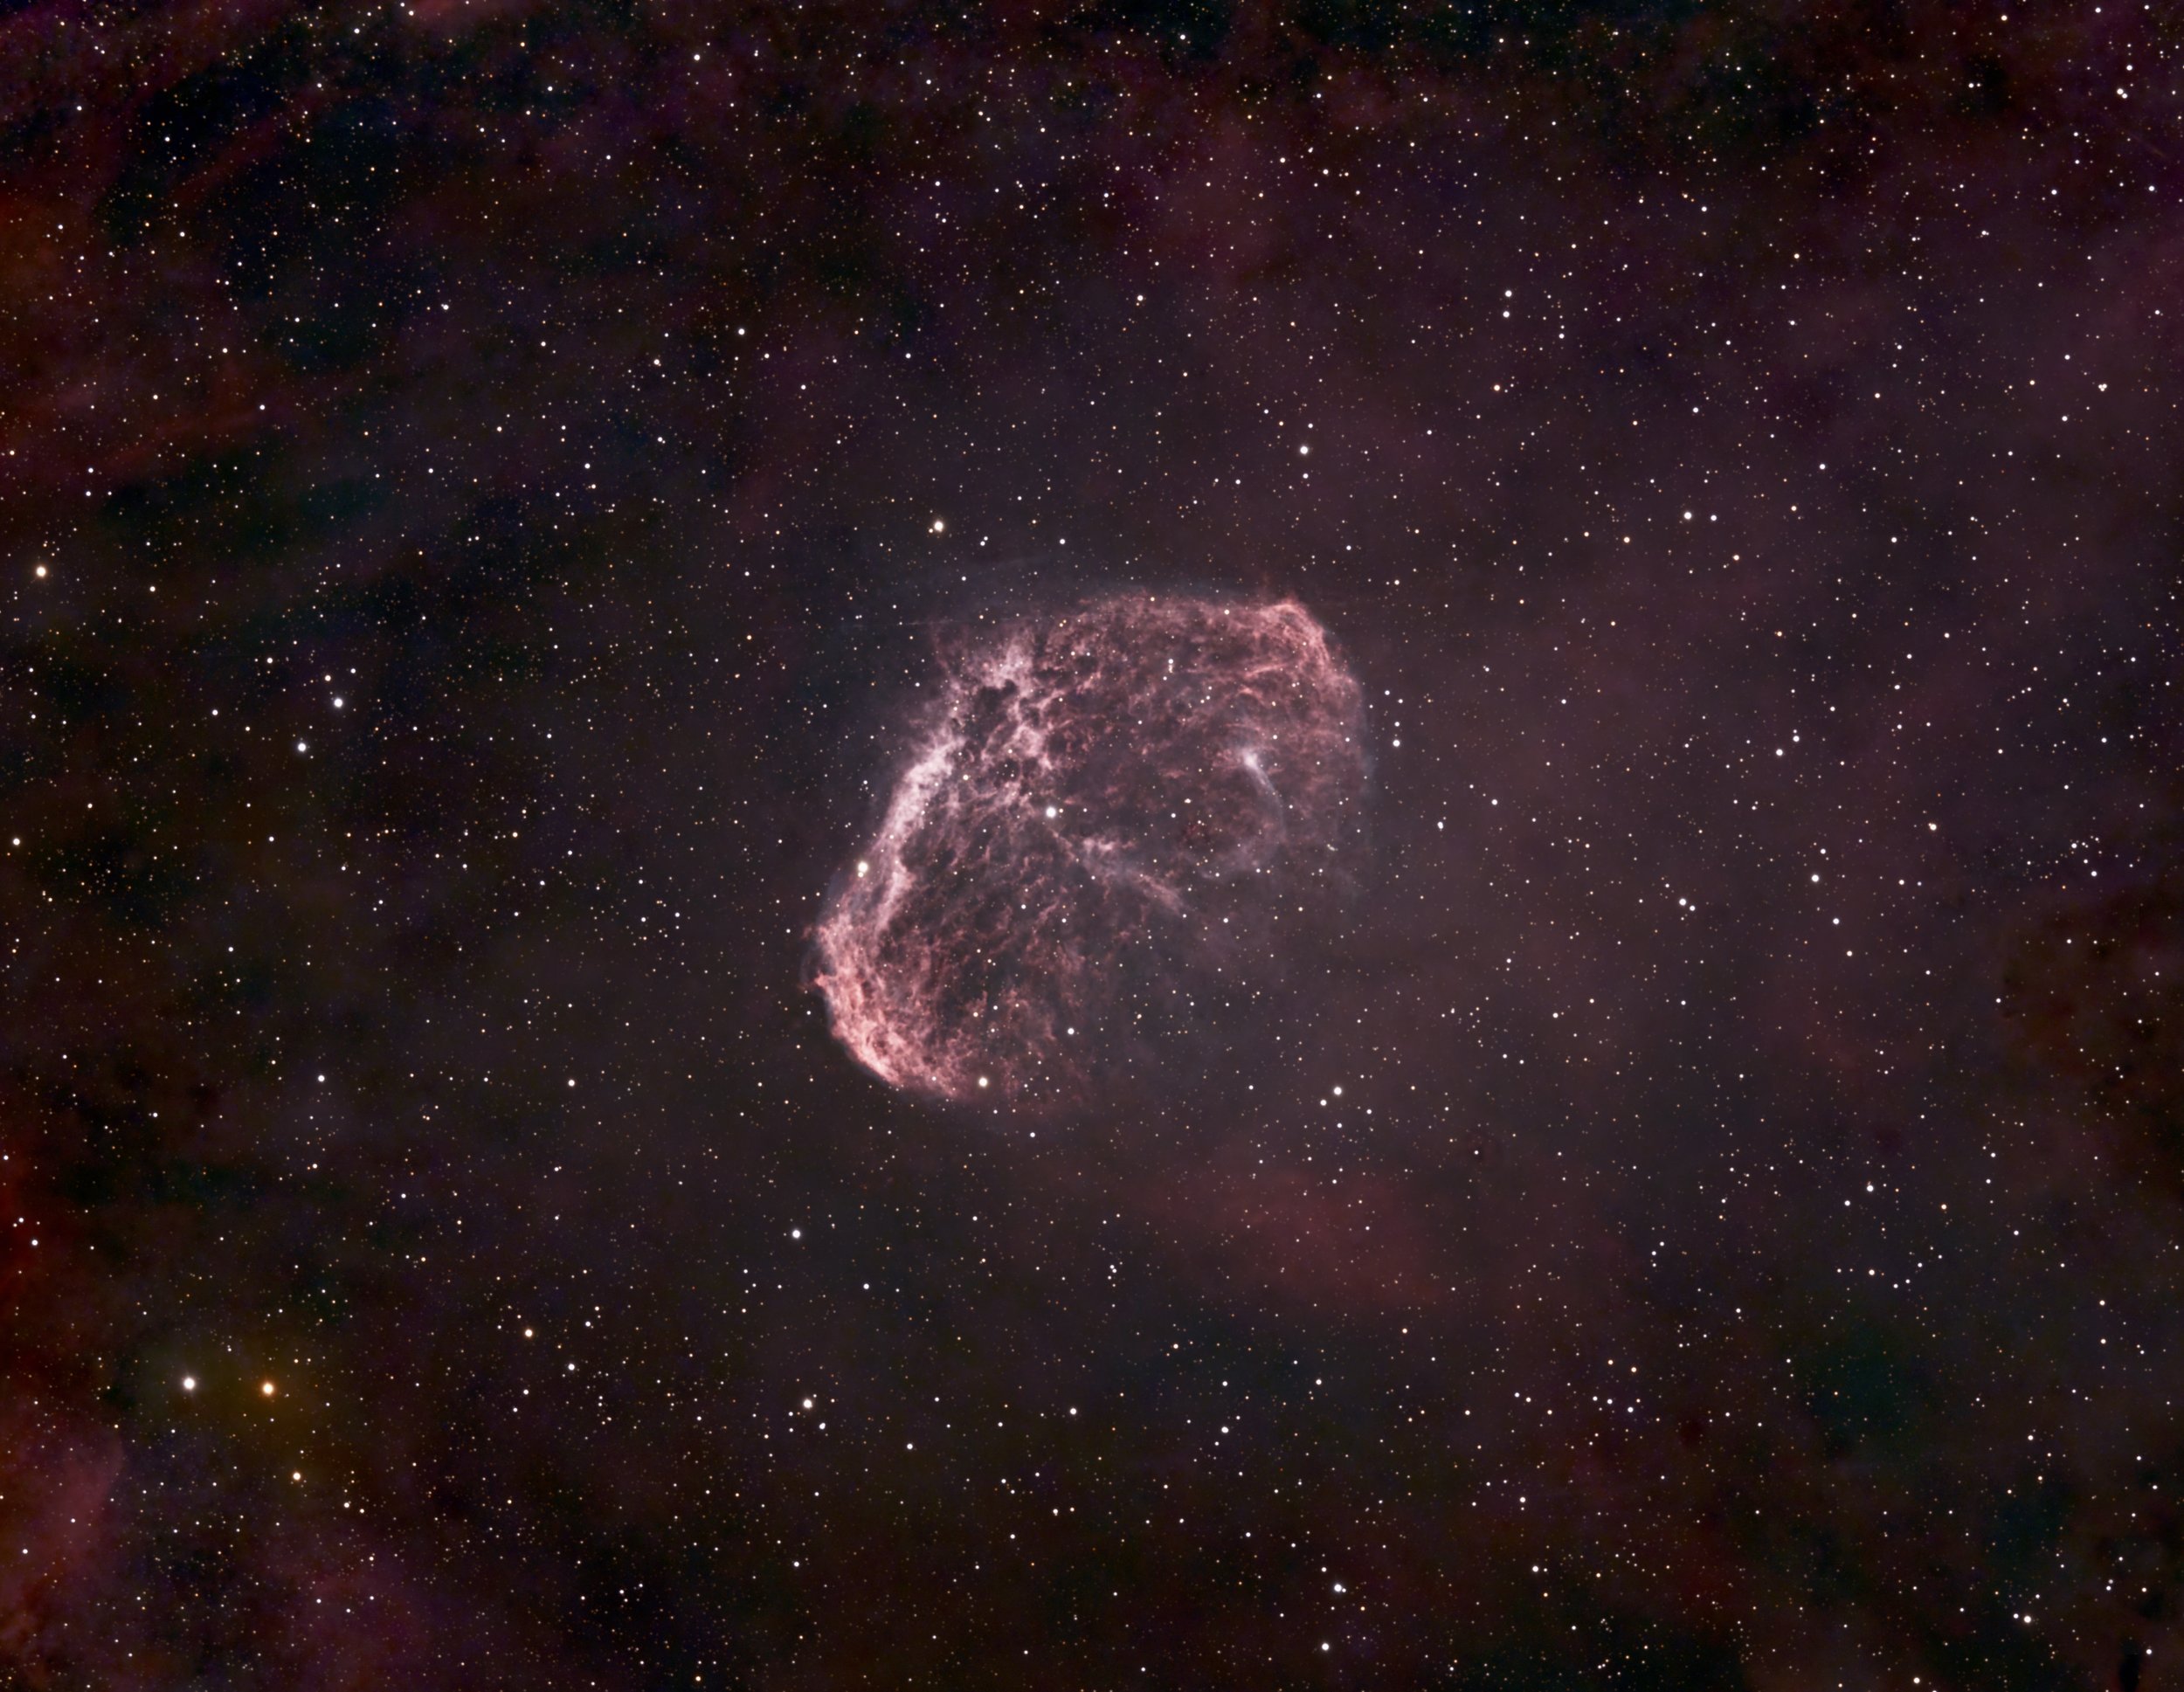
(1102, 800)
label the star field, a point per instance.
(495, 498)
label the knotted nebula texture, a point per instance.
(1111, 821)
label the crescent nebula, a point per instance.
(1108, 814)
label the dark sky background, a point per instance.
(479, 487)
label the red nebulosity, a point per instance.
(1281, 1230)
(57, 1475)
(1102, 799)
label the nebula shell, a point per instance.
(1105, 804)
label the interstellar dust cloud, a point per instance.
(1107, 810)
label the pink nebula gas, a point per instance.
(1104, 805)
